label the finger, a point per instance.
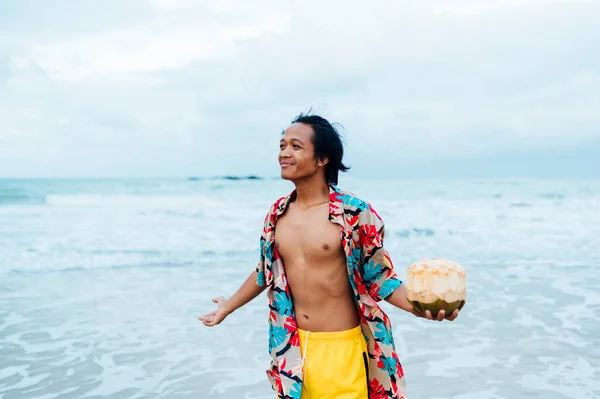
(453, 316)
(428, 315)
(215, 300)
(441, 315)
(207, 316)
(212, 323)
(210, 314)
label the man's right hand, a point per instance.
(248, 291)
(216, 317)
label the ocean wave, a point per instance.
(552, 196)
(227, 177)
(13, 196)
(80, 260)
(404, 233)
(168, 201)
(520, 205)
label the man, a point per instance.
(328, 336)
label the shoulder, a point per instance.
(277, 206)
(271, 216)
(355, 205)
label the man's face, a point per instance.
(297, 153)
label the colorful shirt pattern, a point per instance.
(372, 277)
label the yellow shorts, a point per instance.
(335, 364)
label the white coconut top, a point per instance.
(429, 280)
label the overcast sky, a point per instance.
(183, 87)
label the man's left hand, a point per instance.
(441, 316)
(398, 299)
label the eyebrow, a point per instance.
(294, 139)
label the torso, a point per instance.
(315, 266)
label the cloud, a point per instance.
(478, 7)
(185, 87)
(142, 50)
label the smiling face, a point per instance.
(297, 154)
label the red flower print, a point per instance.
(387, 257)
(352, 220)
(362, 289)
(380, 363)
(372, 210)
(291, 328)
(369, 231)
(376, 390)
(289, 324)
(282, 365)
(277, 379)
(395, 391)
(377, 351)
(294, 339)
(362, 308)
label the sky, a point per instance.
(443, 88)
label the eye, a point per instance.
(296, 146)
(281, 146)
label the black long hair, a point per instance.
(328, 145)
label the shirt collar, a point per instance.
(335, 204)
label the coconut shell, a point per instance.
(435, 284)
(438, 305)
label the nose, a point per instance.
(284, 153)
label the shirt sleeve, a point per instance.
(261, 267)
(377, 268)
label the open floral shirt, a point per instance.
(371, 275)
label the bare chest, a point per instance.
(307, 235)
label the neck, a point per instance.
(311, 192)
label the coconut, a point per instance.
(435, 284)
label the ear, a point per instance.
(322, 161)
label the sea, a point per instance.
(102, 282)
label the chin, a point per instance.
(285, 176)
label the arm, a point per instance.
(250, 289)
(379, 276)
(247, 292)
(399, 300)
